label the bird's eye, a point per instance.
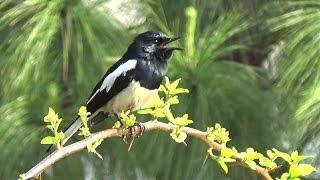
(157, 40)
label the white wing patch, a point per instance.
(109, 80)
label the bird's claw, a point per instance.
(137, 127)
(135, 131)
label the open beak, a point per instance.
(171, 39)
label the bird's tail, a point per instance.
(70, 130)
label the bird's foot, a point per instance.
(135, 131)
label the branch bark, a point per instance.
(63, 152)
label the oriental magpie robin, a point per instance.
(131, 82)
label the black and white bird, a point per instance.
(131, 82)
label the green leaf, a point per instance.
(218, 134)
(172, 88)
(92, 147)
(285, 176)
(181, 121)
(228, 159)
(83, 112)
(84, 131)
(158, 113)
(251, 164)
(294, 171)
(179, 91)
(296, 158)
(178, 135)
(52, 117)
(271, 155)
(301, 170)
(59, 135)
(157, 102)
(48, 140)
(263, 161)
(223, 166)
(128, 121)
(22, 177)
(282, 155)
(306, 169)
(116, 125)
(145, 111)
(227, 152)
(173, 100)
(252, 155)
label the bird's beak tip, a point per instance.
(176, 38)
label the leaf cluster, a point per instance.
(160, 108)
(254, 159)
(85, 131)
(53, 122)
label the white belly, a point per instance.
(131, 98)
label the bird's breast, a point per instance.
(132, 98)
(150, 73)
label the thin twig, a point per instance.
(108, 133)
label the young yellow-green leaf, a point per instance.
(157, 102)
(173, 100)
(218, 134)
(266, 162)
(60, 136)
(227, 152)
(92, 147)
(181, 121)
(171, 88)
(296, 158)
(271, 155)
(84, 131)
(158, 113)
(283, 155)
(128, 121)
(145, 111)
(252, 155)
(51, 117)
(228, 159)
(179, 91)
(22, 177)
(251, 164)
(301, 170)
(48, 140)
(223, 165)
(294, 171)
(178, 135)
(163, 89)
(83, 112)
(306, 169)
(285, 176)
(166, 82)
(116, 125)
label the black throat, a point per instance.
(151, 66)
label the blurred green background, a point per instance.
(251, 65)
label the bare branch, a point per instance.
(108, 133)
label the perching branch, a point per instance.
(63, 152)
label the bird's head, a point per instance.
(155, 43)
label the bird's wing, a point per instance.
(114, 81)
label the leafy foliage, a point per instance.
(54, 122)
(85, 131)
(53, 52)
(216, 134)
(160, 107)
